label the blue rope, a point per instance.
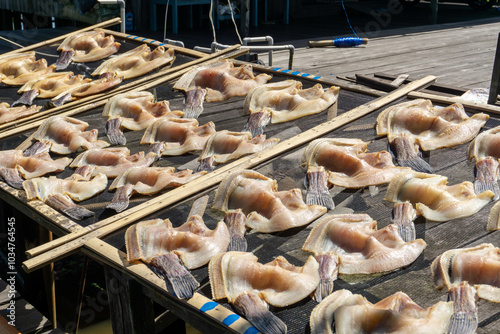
(345, 12)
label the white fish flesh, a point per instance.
(9, 114)
(18, 69)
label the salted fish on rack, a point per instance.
(105, 82)
(484, 150)
(344, 162)
(178, 135)
(49, 86)
(351, 244)
(417, 124)
(9, 114)
(285, 101)
(171, 251)
(86, 46)
(268, 210)
(224, 146)
(113, 161)
(147, 181)
(136, 62)
(346, 313)
(478, 265)
(433, 198)
(61, 193)
(18, 69)
(251, 286)
(134, 111)
(16, 165)
(67, 135)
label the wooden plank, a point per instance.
(450, 100)
(46, 253)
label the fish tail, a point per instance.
(67, 206)
(114, 133)
(206, 164)
(464, 319)
(257, 122)
(256, 311)
(156, 148)
(238, 243)
(194, 102)
(60, 101)
(37, 148)
(169, 266)
(325, 287)
(418, 164)
(403, 215)
(235, 221)
(12, 177)
(486, 173)
(408, 155)
(27, 98)
(120, 200)
(316, 183)
(64, 59)
(328, 273)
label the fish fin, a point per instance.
(64, 59)
(114, 133)
(256, 311)
(486, 174)
(27, 98)
(120, 200)
(257, 122)
(12, 177)
(235, 221)
(316, 182)
(238, 243)
(67, 206)
(37, 148)
(465, 318)
(170, 266)
(328, 273)
(403, 215)
(60, 101)
(156, 148)
(408, 155)
(207, 164)
(194, 102)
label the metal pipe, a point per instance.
(121, 3)
(261, 39)
(173, 42)
(263, 48)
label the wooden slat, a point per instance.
(450, 100)
(46, 253)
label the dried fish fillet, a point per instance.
(136, 62)
(267, 209)
(494, 218)
(178, 135)
(147, 181)
(434, 199)
(420, 125)
(285, 101)
(9, 114)
(134, 111)
(113, 161)
(484, 151)
(250, 286)
(223, 146)
(221, 80)
(345, 313)
(479, 265)
(60, 193)
(67, 135)
(18, 69)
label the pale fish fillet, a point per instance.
(434, 199)
(113, 161)
(9, 114)
(348, 163)
(68, 135)
(360, 247)
(287, 100)
(221, 80)
(178, 135)
(267, 209)
(90, 46)
(137, 62)
(224, 146)
(16, 71)
(478, 265)
(345, 313)
(60, 193)
(147, 181)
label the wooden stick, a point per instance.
(107, 23)
(71, 242)
(456, 99)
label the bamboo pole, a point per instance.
(456, 99)
(69, 243)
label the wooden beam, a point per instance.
(495, 76)
(51, 252)
(482, 107)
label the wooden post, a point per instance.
(245, 18)
(130, 311)
(495, 76)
